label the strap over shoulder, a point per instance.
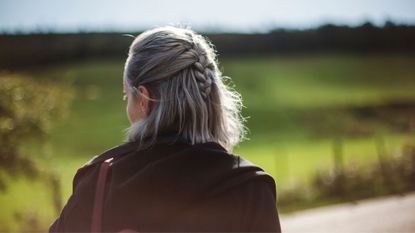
(99, 196)
(97, 211)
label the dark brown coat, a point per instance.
(174, 186)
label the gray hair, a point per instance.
(187, 91)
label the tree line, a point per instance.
(44, 48)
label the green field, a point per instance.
(296, 106)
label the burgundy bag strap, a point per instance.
(99, 196)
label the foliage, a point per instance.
(394, 175)
(28, 108)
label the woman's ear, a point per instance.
(144, 101)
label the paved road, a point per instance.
(390, 214)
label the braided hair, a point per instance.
(187, 90)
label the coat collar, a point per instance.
(165, 138)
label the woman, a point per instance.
(176, 171)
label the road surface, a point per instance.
(387, 214)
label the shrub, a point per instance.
(28, 110)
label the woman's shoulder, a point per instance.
(175, 161)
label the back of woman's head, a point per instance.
(188, 95)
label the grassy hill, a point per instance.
(298, 106)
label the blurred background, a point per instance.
(328, 88)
